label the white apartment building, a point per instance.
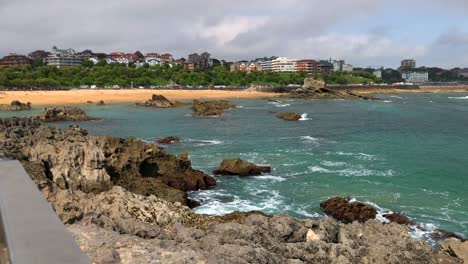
(415, 77)
(63, 57)
(283, 64)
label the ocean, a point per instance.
(407, 154)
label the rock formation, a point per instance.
(315, 89)
(211, 108)
(289, 116)
(158, 101)
(456, 248)
(168, 140)
(347, 212)
(72, 159)
(63, 113)
(16, 106)
(240, 167)
(100, 102)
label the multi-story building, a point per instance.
(310, 66)
(415, 77)
(13, 60)
(325, 66)
(63, 57)
(408, 64)
(202, 61)
(283, 64)
(153, 59)
(267, 65)
(167, 58)
(340, 65)
(245, 66)
(120, 57)
(85, 54)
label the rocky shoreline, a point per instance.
(125, 201)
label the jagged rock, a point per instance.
(168, 140)
(63, 113)
(345, 211)
(289, 116)
(240, 167)
(72, 159)
(16, 106)
(184, 155)
(211, 108)
(158, 101)
(440, 234)
(100, 102)
(315, 89)
(456, 248)
(398, 218)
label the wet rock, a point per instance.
(440, 234)
(158, 101)
(239, 167)
(16, 106)
(316, 89)
(100, 102)
(289, 116)
(168, 140)
(89, 102)
(345, 211)
(72, 159)
(456, 249)
(63, 113)
(398, 218)
(210, 108)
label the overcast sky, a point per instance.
(363, 32)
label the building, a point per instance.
(408, 64)
(189, 66)
(377, 73)
(63, 57)
(167, 58)
(85, 54)
(153, 59)
(283, 64)
(202, 61)
(245, 66)
(415, 77)
(39, 55)
(120, 57)
(13, 60)
(463, 73)
(310, 66)
(267, 65)
(340, 65)
(325, 66)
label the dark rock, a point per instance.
(168, 140)
(210, 108)
(89, 102)
(63, 113)
(16, 106)
(440, 234)
(289, 116)
(100, 102)
(398, 218)
(158, 101)
(240, 167)
(343, 210)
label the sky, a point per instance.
(362, 32)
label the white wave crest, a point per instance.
(459, 98)
(201, 142)
(279, 104)
(304, 117)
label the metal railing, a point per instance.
(30, 231)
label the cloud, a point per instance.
(233, 30)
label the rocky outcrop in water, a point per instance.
(72, 159)
(16, 106)
(211, 108)
(240, 167)
(289, 116)
(100, 102)
(316, 89)
(63, 113)
(168, 140)
(347, 212)
(158, 101)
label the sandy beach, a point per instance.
(121, 96)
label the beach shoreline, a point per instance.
(110, 96)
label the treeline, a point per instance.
(111, 75)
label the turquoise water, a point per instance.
(409, 154)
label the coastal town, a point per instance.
(406, 74)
